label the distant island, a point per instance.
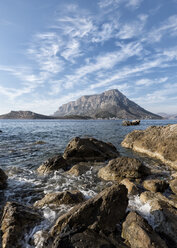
(109, 104)
(33, 116)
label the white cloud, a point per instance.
(148, 82)
(134, 3)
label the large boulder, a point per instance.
(131, 187)
(164, 215)
(54, 200)
(123, 167)
(89, 149)
(3, 179)
(53, 164)
(131, 123)
(155, 185)
(157, 141)
(16, 220)
(140, 234)
(99, 214)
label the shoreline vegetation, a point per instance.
(107, 219)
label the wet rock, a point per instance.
(131, 123)
(16, 220)
(157, 141)
(100, 213)
(155, 185)
(56, 199)
(53, 164)
(131, 187)
(154, 198)
(79, 169)
(164, 216)
(3, 179)
(140, 234)
(173, 186)
(123, 167)
(89, 149)
(87, 239)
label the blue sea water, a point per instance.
(21, 154)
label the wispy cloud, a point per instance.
(148, 82)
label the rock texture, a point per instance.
(53, 164)
(3, 179)
(131, 123)
(139, 234)
(157, 141)
(123, 167)
(109, 104)
(99, 214)
(155, 185)
(164, 214)
(173, 186)
(89, 149)
(56, 199)
(15, 221)
(131, 187)
(79, 169)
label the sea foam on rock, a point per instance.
(93, 217)
(15, 220)
(156, 141)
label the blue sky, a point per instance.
(52, 52)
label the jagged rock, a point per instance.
(16, 220)
(131, 187)
(140, 234)
(173, 186)
(52, 164)
(157, 141)
(79, 169)
(3, 179)
(131, 123)
(123, 167)
(56, 199)
(100, 213)
(164, 214)
(155, 185)
(87, 239)
(89, 149)
(111, 103)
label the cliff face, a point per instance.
(24, 115)
(110, 103)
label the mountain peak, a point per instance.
(111, 103)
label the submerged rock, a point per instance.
(131, 123)
(89, 149)
(157, 141)
(56, 199)
(123, 167)
(52, 164)
(3, 179)
(155, 185)
(140, 234)
(99, 214)
(16, 219)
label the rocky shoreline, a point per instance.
(105, 220)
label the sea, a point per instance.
(26, 144)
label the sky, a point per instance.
(53, 52)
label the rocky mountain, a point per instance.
(109, 104)
(24, 115)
